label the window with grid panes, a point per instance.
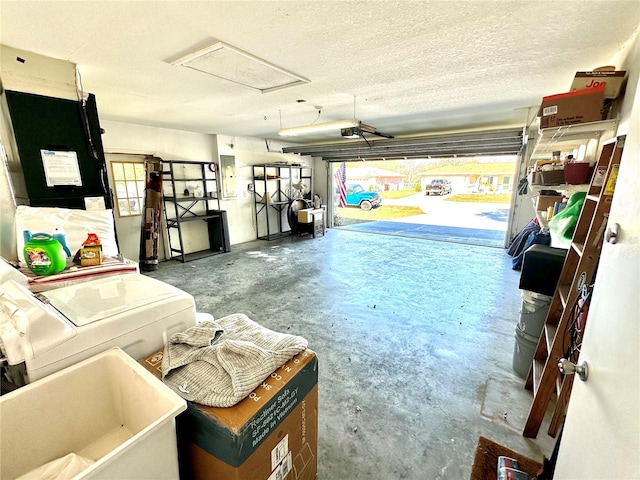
(129, 179)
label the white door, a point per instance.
(601, 438)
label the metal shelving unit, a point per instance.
(191, 194)
(275, 186)
(569, 137)
(586, 138)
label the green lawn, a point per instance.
(385, 212)
(461, 197)
(393, 194)
(480, 198)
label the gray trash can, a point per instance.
(523, 351)
(533, 312)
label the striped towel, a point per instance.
(220, 363)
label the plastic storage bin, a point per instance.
(108, 409)
(577, 173)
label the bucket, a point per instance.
(533, 312)
(523, 351)
(576, 173)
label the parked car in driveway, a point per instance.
(438, 186)
(359, 197)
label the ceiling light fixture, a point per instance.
(319, 127)
(234, 65)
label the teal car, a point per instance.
(359, 197)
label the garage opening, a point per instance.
(464, 200)
(455, 187)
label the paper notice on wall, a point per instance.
(61, 168)
(94, 203)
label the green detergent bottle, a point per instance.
(44, 254)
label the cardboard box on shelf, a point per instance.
(580, 106)
(543, 202)
(272, 432)
(305, 215)
(552, 177)
(610, 79)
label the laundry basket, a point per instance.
(107, 409)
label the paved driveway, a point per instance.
(460, 222)
(437, 211)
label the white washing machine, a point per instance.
(49, 331)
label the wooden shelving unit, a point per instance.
(579, 269)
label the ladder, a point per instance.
(579, 269)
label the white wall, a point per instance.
(249, 152)
(52, 77)
(181, 145)
(628, 59)
(32, 73)
(166, 144)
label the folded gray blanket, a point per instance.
(220, 363)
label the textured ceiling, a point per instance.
(405, 67)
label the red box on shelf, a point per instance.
(580, 106)
(576, 173)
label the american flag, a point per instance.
(341, 183)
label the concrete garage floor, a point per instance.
(414, 339)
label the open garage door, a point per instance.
(380, 186)
(474, 144)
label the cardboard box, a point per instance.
(306, 215)
(543, 202)
(552, 177)
(580, 106)
(90, 255)
(271, 434)
(611, 80)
